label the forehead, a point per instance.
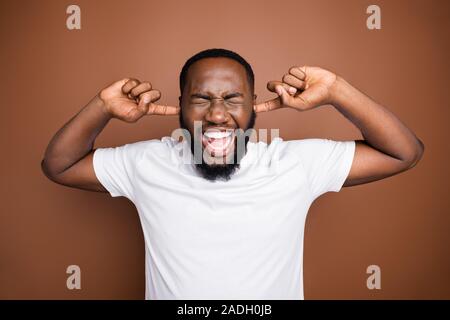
(216, 74)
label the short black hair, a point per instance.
(213, 53)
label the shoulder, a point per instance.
(299, 147)
(314, 151)
(163, 144)
(313, 146)
(136, 151)
(283, 150)
(309, 143)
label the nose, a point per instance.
(217, 112)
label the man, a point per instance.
(231, 225)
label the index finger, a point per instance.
(163, 110)
(129, 85)
(268, 105)
(271, 85)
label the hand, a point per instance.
(130, 99)
(303, 88)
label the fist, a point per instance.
(129, 100)
(302, 88)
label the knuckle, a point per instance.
(134, 82)
(292, 69)
(156, 93)
(146, 97)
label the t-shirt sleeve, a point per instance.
(115, 168)
(326, 162)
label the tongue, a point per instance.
(218, 143)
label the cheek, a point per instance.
(241, 117)
(191, 115)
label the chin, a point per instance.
(213, 172)
(218, 166)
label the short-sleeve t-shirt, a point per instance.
(235, 239)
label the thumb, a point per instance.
(284, 95)
(147, 98)
(279, 90)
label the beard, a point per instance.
(213, 172)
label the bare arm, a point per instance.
(68, 159)
(388, 148)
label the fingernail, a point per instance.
(279, 90)
(292, 90)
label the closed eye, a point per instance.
(234, 95)
(233, 98)
(198, 97)
(228, 96)
(235, 101)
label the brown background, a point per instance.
(49, 73)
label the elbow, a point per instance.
(416, 156)
(48, 172)
(45, 170)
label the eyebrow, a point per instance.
(228, 96)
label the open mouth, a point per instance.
(218, 142)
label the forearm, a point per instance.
(76, 138)
(380, 128)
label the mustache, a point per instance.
(250, 124)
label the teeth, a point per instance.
(220, 144)
(217, 134)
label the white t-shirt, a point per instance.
(236, 239)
